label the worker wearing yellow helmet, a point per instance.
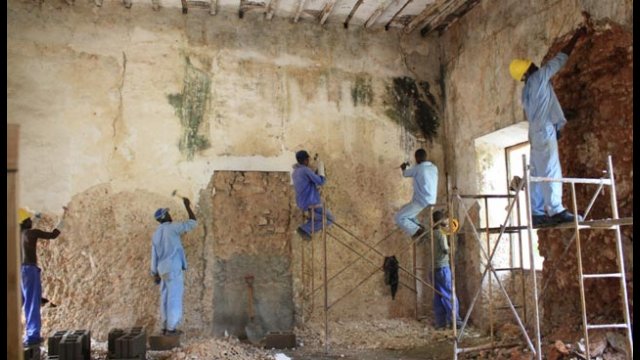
(546, 119)
(30, 273)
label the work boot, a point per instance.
(420, 231)
(539, 220)
(564, 217)
(303, 234)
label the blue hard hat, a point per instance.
(160, 213)
(302, 155)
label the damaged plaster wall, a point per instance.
(596, 90)
(119, 107)
(480, 96)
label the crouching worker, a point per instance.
(442, 308)
(306, 183)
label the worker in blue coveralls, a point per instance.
(546, 120)
(442, 307)
(168, 262)
(30, 273)
(306, 183)
(425, 192)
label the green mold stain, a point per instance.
(404, 105)
(190, 106)
(362, 92)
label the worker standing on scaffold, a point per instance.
(546, 119)
(306, 183)
(425, 192)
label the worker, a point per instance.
(442, 306)
(30, 273)
(168, 262)
(306, 183)
(425, 192)
(546, 120)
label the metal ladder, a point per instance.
(612, 224)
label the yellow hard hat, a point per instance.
(518, 68)
(23, 214)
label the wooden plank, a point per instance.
(14, 328)
(427, 12)
(300, 8)
(353, 11)
(328, 7)
(271, 8)
(12, 146)
(388, 24)
(379, 11)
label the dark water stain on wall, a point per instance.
(190, 107)
(415, 112)
(362, 92)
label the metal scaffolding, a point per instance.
(612, 224)
(507, 227)
(309, 291)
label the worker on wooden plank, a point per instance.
(546, 120)
(30, 273)
(442, 304)
(168, 262)
(425, 192)
(306, 183)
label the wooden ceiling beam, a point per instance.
(426, 13)
(433, 16)
(353, 11)
(328, 7)
(213, 7)
(379, 11)
(271, 8)
(388, 24)
(299, 11)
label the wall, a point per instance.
(596, 90)
(480, 96)
(119, 107)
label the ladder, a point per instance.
(611, 224)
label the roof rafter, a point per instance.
(271, 8)
(299, 11)
(386, 26)
(376, 14)
(328, 7)
(353, 11)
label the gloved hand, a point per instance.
(321, 168)
(557, 134)
(156, 279)
(404, 165)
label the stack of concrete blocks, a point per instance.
(127, 344)
(32, 353)
(70, 345)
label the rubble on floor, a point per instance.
(374, 334)
(603, 346)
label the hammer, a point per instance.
(175, 193)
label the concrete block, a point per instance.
(53, 342)
(32, 353)
(163, 342)
(280, 340)
(71, 347)
(129, 343)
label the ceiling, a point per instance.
(409, 15)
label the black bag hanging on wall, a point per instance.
(390, 267)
